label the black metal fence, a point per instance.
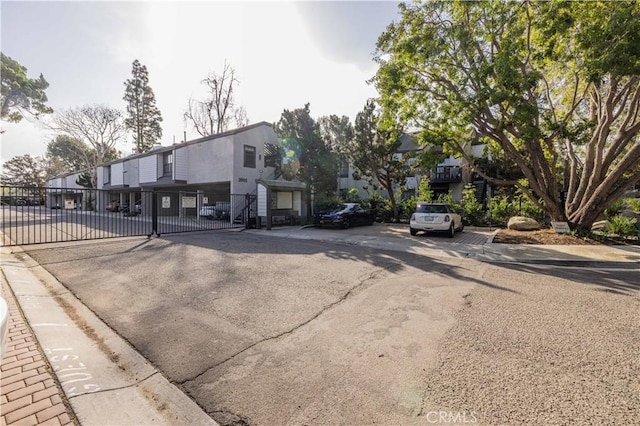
(33, 215)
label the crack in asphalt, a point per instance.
(370, 276)
(116, 389)
(238, 419)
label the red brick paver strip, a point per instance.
(30, 394)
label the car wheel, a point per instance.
(346, 223)
(452, 231)
(413, 231)
(461, 227)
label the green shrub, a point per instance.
(384, 212)
(623, 226)
(471, 209)
(380, 205)
(407, 207)
(613, 209)
(527, 208)
(327, 203)
(448, 200)
(352, 196)
(424, 190)
(500, 210)
(633, 204)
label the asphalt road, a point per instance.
(265, 331)
(274, 331)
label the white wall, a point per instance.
(181, 164)
(477, 150)
(148, 169)
(210, 161)
(117, 177)
(70, 181)
(262, 200)
(100, 176)
(132, 177)
(297, 201)
(243, 179)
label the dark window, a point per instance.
(344, 168)
(432, 208)
(271, 155)
(107, 174)
(167, 163)
(250, 156)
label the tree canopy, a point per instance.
(373, 152)
(143, 116)
(218, 111)
(21, 94)
(306, 154)
(99, 127)
(552, 86)
(67, 154)
(25, 170)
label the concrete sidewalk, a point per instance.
(102, 377)
(31, 393)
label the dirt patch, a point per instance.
(543, 236)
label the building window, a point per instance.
(107, 174)
(250, 156)
(167, 163)
(271, 155)
(344, 168)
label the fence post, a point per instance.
(154, 213)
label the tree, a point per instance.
(306, 155)
(336, 131)
(25, 170)
(372, 151)
(21, 94)
(553, 86)
(218, 111)
(67, 154)
(99, 127)
(143, 117)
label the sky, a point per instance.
(285, 54)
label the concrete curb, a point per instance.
(568, 263)
(102, 376)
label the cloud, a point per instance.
(347, 31)
(285, 54)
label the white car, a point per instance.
(208, 211)
(435, 217)
(219, 210)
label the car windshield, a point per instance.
(431, 208)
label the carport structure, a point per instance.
(281, 202)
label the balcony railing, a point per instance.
(447, 175)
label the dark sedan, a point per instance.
(345, 216)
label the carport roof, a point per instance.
(283, 184)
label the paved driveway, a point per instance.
(392, 237)
(273, 330)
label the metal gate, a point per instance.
(32, 215)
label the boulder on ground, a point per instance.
(521, 223)
(630, 214)
(601, 225)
